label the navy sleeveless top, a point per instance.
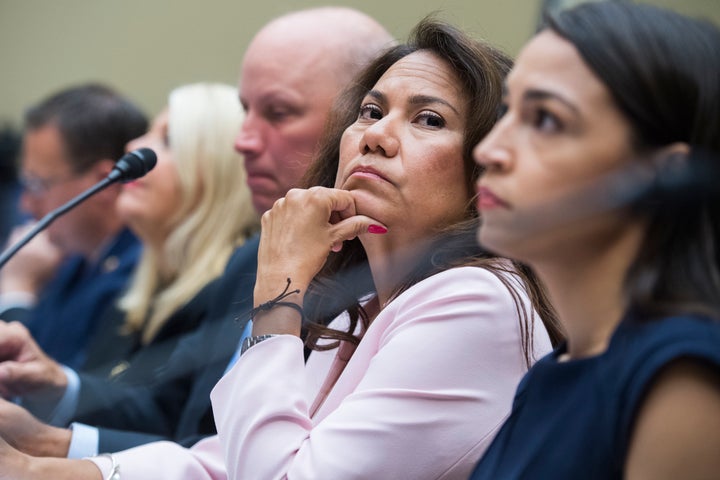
(574, 419)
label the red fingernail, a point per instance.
(376, 229)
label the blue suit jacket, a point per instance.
(71, 305)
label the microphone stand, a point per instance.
(50, 217)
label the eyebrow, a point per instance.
(536, 94)
(545, 95)
(415, 100)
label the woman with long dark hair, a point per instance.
(594, 177)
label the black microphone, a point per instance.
(131, 166)
(687, 182)
(642, 186)
(677, 180)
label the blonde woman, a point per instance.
(191, 212)
(208, 208)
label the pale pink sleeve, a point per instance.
(169, 461)
(437, 386)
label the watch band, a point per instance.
(250, 341)
(114, 467)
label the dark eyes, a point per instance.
(537, 116)
(430, 119)
(426, 118)
(545, 121)
(370, 111)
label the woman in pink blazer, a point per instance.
(418, 336)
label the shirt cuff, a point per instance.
(84, 442)
(247, 331)
(67, 405)
(12, 300)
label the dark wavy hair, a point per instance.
(663, 72)
(346, 277)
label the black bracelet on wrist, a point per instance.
(277, 302)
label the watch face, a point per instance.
(246, 343)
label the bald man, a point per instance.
(291, 73)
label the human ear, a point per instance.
(671, 164)
(672, 158)
(684, 175)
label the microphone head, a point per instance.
(133, 165)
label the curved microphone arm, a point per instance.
(50, 217)
(132, 165)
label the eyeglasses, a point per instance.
(39, 186)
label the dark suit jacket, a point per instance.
(10, 191)
(121, 357)
(72, 304)
(176, 404)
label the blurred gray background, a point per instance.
(145, 48)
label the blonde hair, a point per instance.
(215, 215)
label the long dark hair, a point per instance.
(663, 72)
(346, 277)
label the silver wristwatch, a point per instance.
(114, 467)
(250, 341)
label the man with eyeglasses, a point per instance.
(70, 142)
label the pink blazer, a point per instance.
(421, 397)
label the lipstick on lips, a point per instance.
(487, 200)
(367, 172)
